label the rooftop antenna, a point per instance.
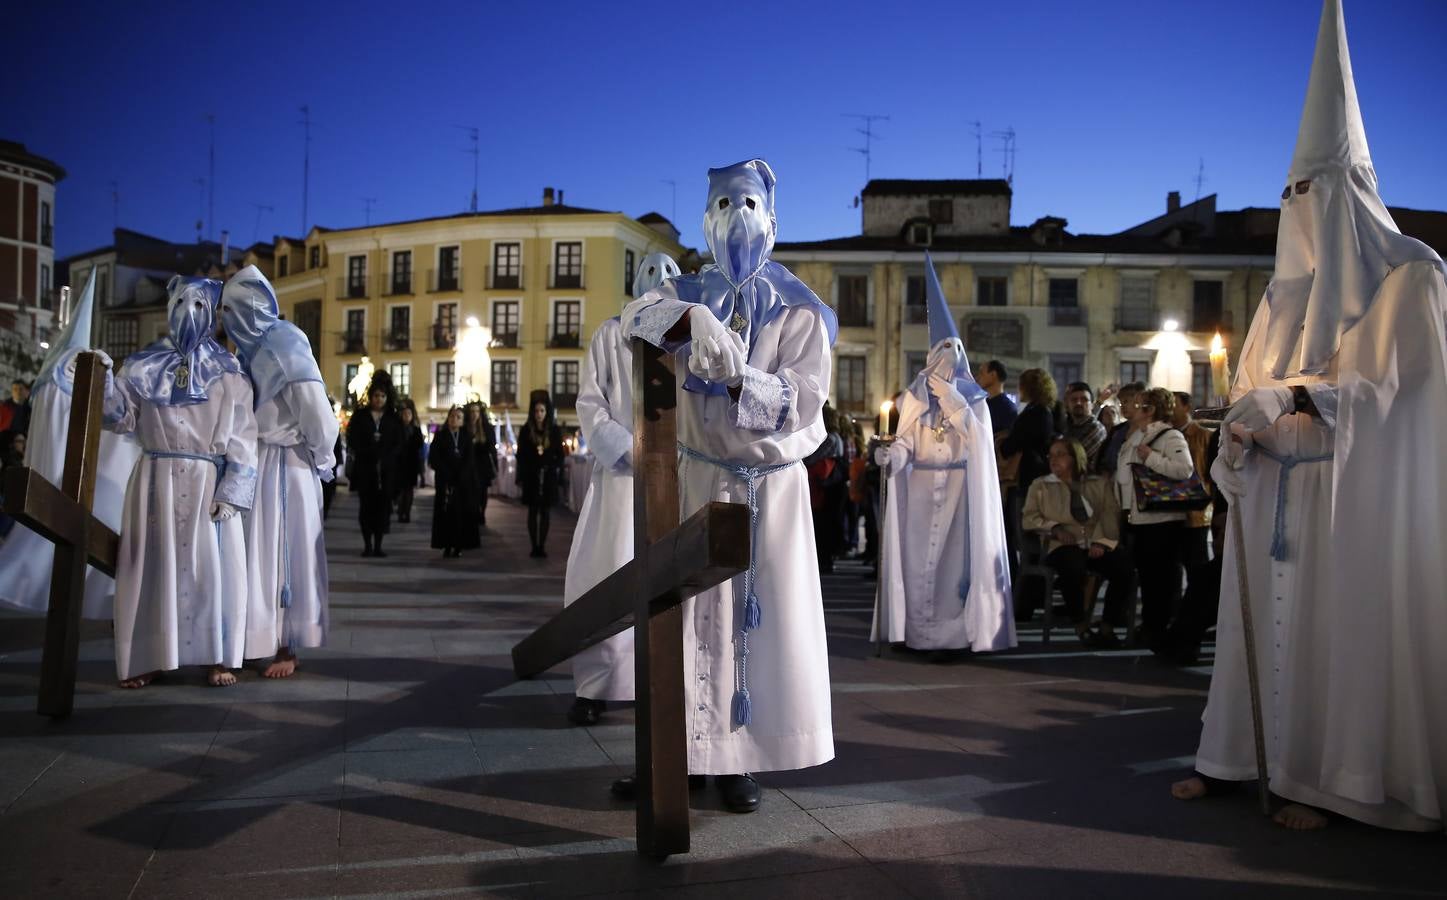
(115, 204)
(200, 207)
(1007, 153)
(256, 229)
(211, 181)
(476, 151)
(1200, 176)
(370, 202)
(673, 210)
(869, 136)
(306, 161)
(979, 149)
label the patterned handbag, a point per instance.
(1155, 492)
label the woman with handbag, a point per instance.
(1154, 460)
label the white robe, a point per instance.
(603, 538)
(296, 433)
(930, 514)
(26, 558)
(1348, 626)
(788, 662)
(181, 581)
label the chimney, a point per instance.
(560, 196)
(547, 196)
(1173, 201)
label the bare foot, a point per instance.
(220, 676)
(281, 667)
(139, 681)
(1192, 788)
(1299, 818)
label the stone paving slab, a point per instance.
(405, 760)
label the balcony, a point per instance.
(443, 337)
(564, 337)
(503, 398)
(1067, 316)
(505, 278)
(507, 339)
(398, 339)
(399, 284)
(565, 401)
(351, 287)
(441, 281)
(566, 278)
(1137, 320)
(354, 342)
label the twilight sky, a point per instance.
(1114, 103)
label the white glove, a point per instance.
(702, 325)
(720, 359)
(1226, 474)
(945, 392)
(326, 475)
(105, 359)
(221, 511)
(1259, 409)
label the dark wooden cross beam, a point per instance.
(671, 562)
(63, 516)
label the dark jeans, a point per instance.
(540, 516)
(1156, 550)
(1203, 593)
(1071, 564)
(404, 504)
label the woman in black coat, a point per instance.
(484, 440)
(409, 461)
(454, 517)
(374, 443)
(539, 459)
(1030, 435)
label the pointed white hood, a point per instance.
(1336, 241)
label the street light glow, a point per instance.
(1170, 325)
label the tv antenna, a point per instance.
(369, 202)
(869, 136)
(200, 207)
(256, 229)
(979, 149)
(1200, 176)
(476, 151)
(306, 162)
(1007, 153)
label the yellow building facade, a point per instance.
(490, 305)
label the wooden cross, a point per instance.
(63, 516)
(671, 562)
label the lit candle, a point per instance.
(884, 409)
(1220, 368)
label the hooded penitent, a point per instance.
(947, 357)
(273, 352)
(59, 365)
(1336, 240)
(743, 288)
(655, 269)
(178, 369)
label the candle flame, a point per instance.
(1217, 344)
(885, 407)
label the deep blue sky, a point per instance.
(1113, 101)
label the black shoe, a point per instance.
(941, 657)
(740, 793)
(367, 551)
(378, 552)
(626, 788)
(586, 711)
(537, 553)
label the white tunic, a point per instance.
(937, 517)
(1348, 625)
(297, 432)
(182, 578)
(603, 538)
(26, 558)
(776, 420)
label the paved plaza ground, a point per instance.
(405, 760)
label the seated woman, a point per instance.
(1078, 516)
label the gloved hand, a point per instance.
(947, 394)
(702, 326)
(1259, 409)
(720, 358)
(1226, 474)
(105, 359)
(326, 475)
(221, 511)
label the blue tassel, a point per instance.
(286, 596)
(753, 613)
(743, 709)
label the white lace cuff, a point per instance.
(610, 442)
(652, 322)
(237, 486)
(764, 401)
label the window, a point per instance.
(1201, 384)
(995, 336)
(355, 337)
(448, 278)
(920, 234)
(446, 382)
(568, 264)
(314, 258)
(567, 323)
(914, 364)
(399, 332)
(853, 300)
(402, 272)
(1065, 302)
(283, 266)
(308, 318)
(850, 383)
(1065, 368)
(356, 276)
(504, 383)
(565, 383)
(1207, 305)
(507, 267)
(1137, 303)
(122, 337)
(505, 323)
(349, 372)
(942, 212)
(401, 377)
(628, 273)
(992, 290)
(1135, 370)
(444, 330)
(45, 300)
(915, 309)
(47, 234)
(102, 285)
